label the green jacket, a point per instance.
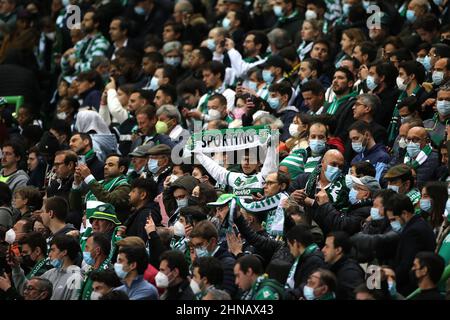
(118, 196)
(265, 289)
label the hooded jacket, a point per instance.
(186, 182)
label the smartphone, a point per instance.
(81, 160)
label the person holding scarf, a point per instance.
(326, 176)
(420, 156)
(275, 187)
(361, 200)
(114, 189)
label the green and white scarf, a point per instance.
(337, 190)
(108, 185)
(290, 282)
(333, 107)
(420, 159)
(274, 224)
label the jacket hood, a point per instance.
(185, 182)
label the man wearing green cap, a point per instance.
(102, 219)
(401, 180)
(222, 206)
(114, 189)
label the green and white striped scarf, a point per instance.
(420, 159)
(274, 224)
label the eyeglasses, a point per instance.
(268, 183)
(414, 140)
(31, 288)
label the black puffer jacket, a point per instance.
(349, 275)
(329, 219)
(377, 241)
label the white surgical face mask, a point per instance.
(161, 280)
(10, 236)
(293, 130)
(214, 114)
(61, 115)
(401, 84)
(95, 295)
(178, 229)
(195, 287)
(310, 15)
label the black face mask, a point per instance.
(193, 201)
(27, 261)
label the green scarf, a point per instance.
(283, 19)
(394, 124)
(36, 268)
(290, 282)
(337, 191)
(108, 185)
(334, 105)
(420, 159)
(87, 284)
(274, 224)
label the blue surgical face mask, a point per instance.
(438, 77)
(308, 293)
(226, 23)
(366, 4)
(443, 107)
(358, 147)
(252, 85)
(396, 226)
(348, 181)
(438, 2)
(392, 287)
(411, 16)
(57, 263)
(87, 257)
(346, 9)
(274, 103)
(211, 44)
(331, 173)
(154, 83)
(425, 205)
(118, 268)
(267, 76)
(375, 214)
(317, 146)
(181, 203)
(173, 61)
(352, 196)
(139, 11)
(413, 149)
(426, 63)
(152, 165)
(201, 252)
(370, 82)
(278, 11)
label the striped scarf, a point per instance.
(420, 159)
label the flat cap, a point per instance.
(141, 151)
(398, 172)
(367, 181)
(159, 149)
